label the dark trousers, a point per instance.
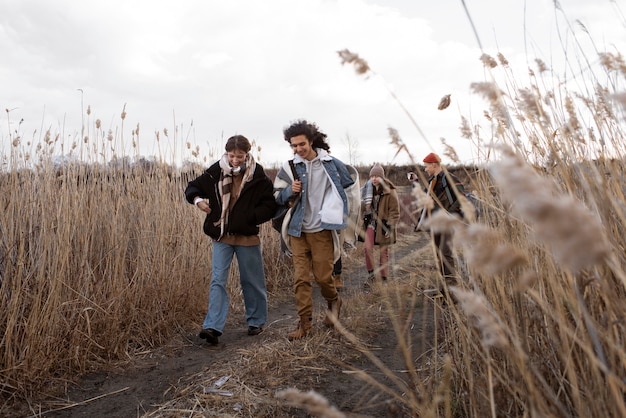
(445, 258)
(337, 267)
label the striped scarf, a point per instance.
(225, 184)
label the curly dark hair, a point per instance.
(310, 130)
(238, 142)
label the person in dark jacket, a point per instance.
(444, 189)
(237, 197)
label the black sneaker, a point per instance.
(252, 330)
(210, 335)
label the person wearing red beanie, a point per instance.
(432, 158)
(443, 188)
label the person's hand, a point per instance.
(386, 229)
(204, 206)
(296, 186)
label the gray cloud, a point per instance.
(206, 70)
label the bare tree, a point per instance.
(352, 147)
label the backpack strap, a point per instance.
(294, 173)
(444, 183)
(452, 199)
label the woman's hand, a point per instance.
(387, 229)
(204, 206)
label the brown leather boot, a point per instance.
(335, 308)
(338, 282)
(304, 328)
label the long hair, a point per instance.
(310, 131)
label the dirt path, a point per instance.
(134, 389)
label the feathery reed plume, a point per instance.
(559, 220)
(613, 62)
(444, 102)
(486, 250)
(450, 152)
(360, 65)
(492, 93)
(442, 221)
(573, 124)
(313, 402)
(541, 66)
(488, 61)
(502, 59)
(530, 104)
(476, 306)
(423, 200)
(489, 90)
(397, 142)
(466, 130)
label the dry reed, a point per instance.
(95, 262)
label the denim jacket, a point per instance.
(340, 180)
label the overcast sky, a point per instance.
(206, 70)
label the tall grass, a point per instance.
(88, 268)
(538, 328)
(96, 263)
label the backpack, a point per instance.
(478, 210)
(469, 196)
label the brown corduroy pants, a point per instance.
(312, 252)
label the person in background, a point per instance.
(443, 188)
(315, 220)
(237, 197)
(381, 216)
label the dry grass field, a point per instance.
(182, 378)
(104, 277)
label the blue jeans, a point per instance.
(251, 277)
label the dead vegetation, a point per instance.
(96, 267)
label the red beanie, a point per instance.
(432, 158)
